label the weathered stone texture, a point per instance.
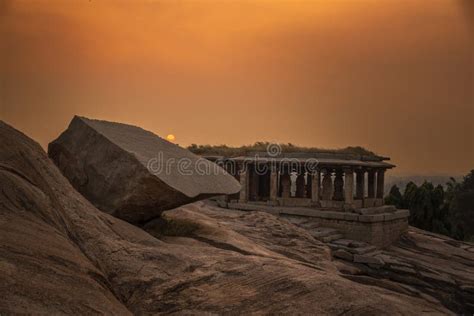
(132, 173)
(381, 229)
(381, 234)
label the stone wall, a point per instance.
(325, 204)
(372, 202)
(381, 234)
(294, 202)
(332, 204)
(379, 226)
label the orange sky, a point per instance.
(395, 76)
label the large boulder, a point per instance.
(132, 173)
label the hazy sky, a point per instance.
(395, 76)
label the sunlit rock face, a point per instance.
(132, 173)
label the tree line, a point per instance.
(448, 211)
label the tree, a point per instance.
(395, 198)
(427, 206)
(461, 207)
(449, 212)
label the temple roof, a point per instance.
(323, 159)
(281, 148)
(317, 155)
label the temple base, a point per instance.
(379, 226)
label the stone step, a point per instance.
(351, 243)
(356, 251)
(323, 232)
(342, 254)
(374, 253)
(309, 225)
(331, 237)
(368, 259)
(303, 223)
(376, 210)
(365, 249)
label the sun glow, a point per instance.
(170, 138)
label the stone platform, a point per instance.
(379, 226)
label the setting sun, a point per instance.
(170, 138)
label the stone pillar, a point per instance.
(338, 186)
(285, 185)
(315, 186)
(371, 184)
(360, 184)
(380, 183)
(327, 185)
(300, 186)
(273, 184)
(253, 185)
(348, 186)
(309, 184)
(264, 185)
(244, 183)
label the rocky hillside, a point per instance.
(59, 254)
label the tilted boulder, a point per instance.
(132, 173)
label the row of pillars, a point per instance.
(341, 189)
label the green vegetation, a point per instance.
(224, 150)
(447, 211)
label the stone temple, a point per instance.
(336, 190)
